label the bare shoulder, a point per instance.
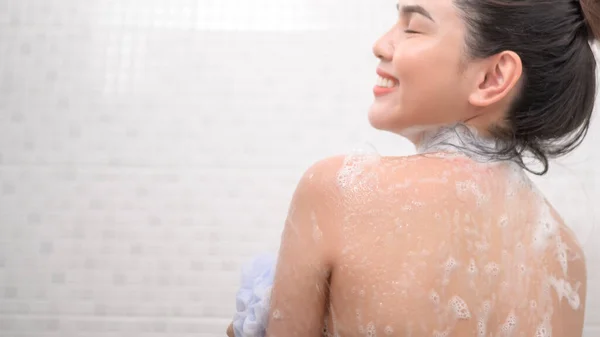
(365, 197)
(324, 170)
(344, 171)
(366, 183)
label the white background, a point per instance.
(150, 147)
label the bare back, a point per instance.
(445, 246)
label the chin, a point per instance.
(379, 118)
(384, 120)
(377, 123)
(409, 127)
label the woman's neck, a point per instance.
(457, 138)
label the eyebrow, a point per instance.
(414, 9)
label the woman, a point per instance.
(456, 240)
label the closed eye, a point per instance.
(409, 31)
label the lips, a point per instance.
(386, 83)
(387, 76)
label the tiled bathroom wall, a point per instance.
(150, 147)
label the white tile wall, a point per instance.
(148, 148)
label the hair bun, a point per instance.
(591, 15)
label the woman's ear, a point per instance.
(496, 79)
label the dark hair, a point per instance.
(551, 115)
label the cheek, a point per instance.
(409, 61)
(428, 73)
(424, 73)
(428, 90)
(426, 56)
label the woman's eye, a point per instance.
(410, 31)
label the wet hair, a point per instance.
(551, 114)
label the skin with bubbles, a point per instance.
(437, 244)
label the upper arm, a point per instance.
(300, 289)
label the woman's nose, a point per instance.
(384, 48)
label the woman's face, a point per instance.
(423, 55)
